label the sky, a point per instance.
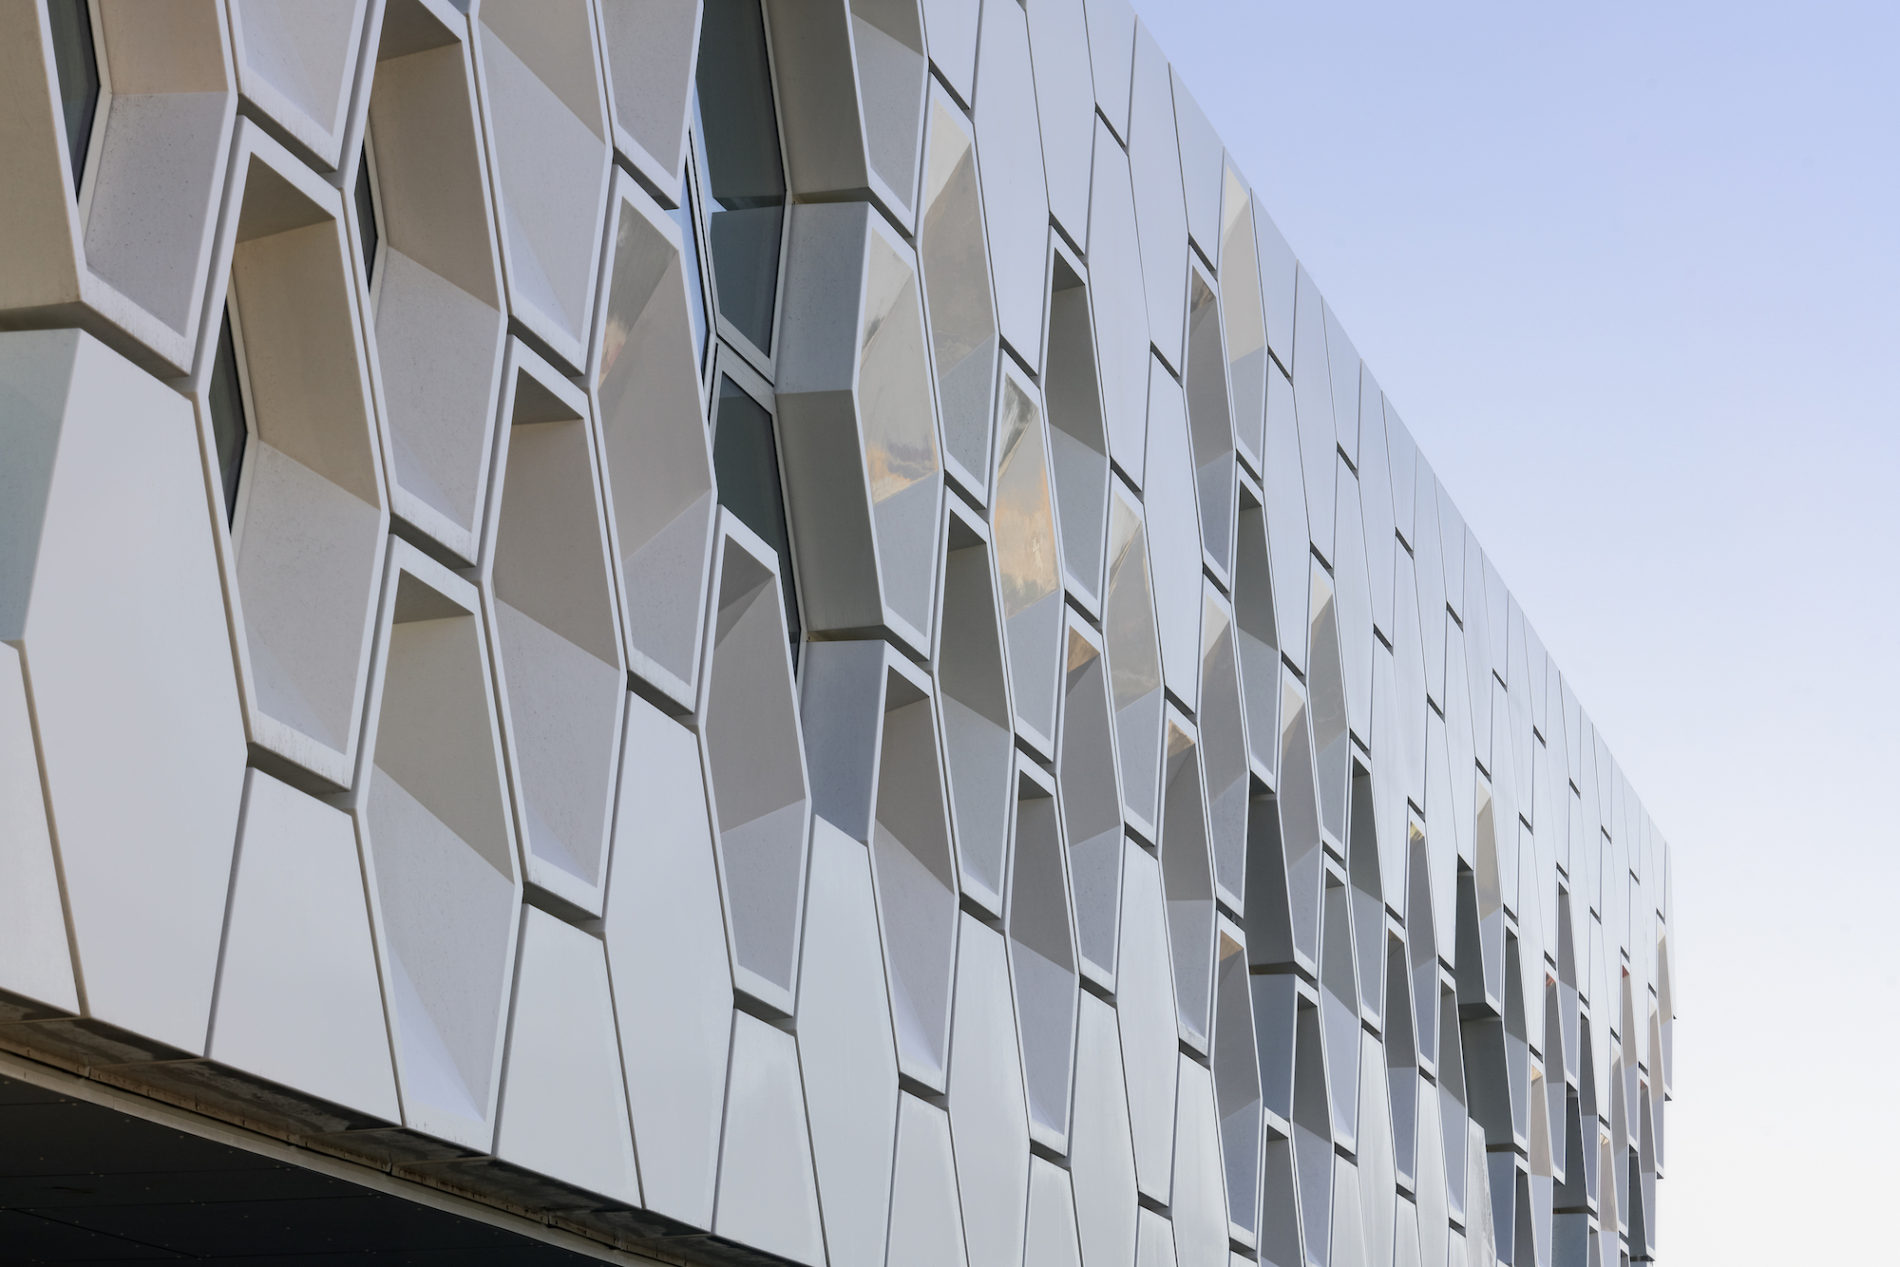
(1630, 272)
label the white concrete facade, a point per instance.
(776, 631)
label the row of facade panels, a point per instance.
(787, 629)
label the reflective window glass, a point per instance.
(228, 428)
(686, 217)
(77, 64)
(745, 463)
(745, 179)
(366, 215)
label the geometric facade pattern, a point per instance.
(776, 631)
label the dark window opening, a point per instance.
(76, 61)
(366, 216)
(228, 428)
(687, 220)
(738, 124)
(745, 464)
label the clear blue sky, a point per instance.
(1631, 274)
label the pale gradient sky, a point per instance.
(1631, 274)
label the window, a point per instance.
(368, 216)
(228, 427)
(737, 124)
(687, 218)
(76, 60)
(745, 464)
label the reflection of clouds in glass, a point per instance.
(899, 427)
(1214, 621)
(637, 271)
(1025, 514)
(955, 262)
(1246, 325)
(1128, 615)
(612, 340)
(955, 256)
(1179, 741)
(1081, 652)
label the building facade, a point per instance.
(755, 632)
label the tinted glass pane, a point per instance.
(227, 415)
(689, 259)
(745, 462)
(366, 214)
(77, 63)
(744, 175)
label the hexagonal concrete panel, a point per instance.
(987, 1123)
(1223, 734)
(1284, 499)
(974, 701)
(1339, 1007)
(1015, 201)
(666, 953)
(926, 1219)
(1160, 205)
(1377, 1193)
(563, 1119)
(1065, 107)
(1101, 1153)
(1313, 399)
(1078, 442)
(1312, 1147)
(146, 868)
(37, 979)
(1256, 633)
(1281, 1241)
(1237, 1100)
(285, 401)
(300, 999)
(1111, 49)
(954, 260)
(549, 146)
(1332, 742)
(1199, 1207)
(1051, 1236)
(1091, 802)
(854, 397)
(296, 65)
(877, 775)
(1154, 1242)
(1131, 640)
(851, 77)
(1149, 1025)
(846, 1052)
(437, 324)
(1041, 933)
(1202, 162)
(1028, 560)
(1368, 901)
(651, 48)
(768, 1198)
(1171, 507)
(118, 220)
(1243, 317)
(433, 810)
(1354, 600)
(651, 408)
(1187, 876)
(552, 622)
(1298, 839)
(755, 762)
(1119, 302)
(1210, 421)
